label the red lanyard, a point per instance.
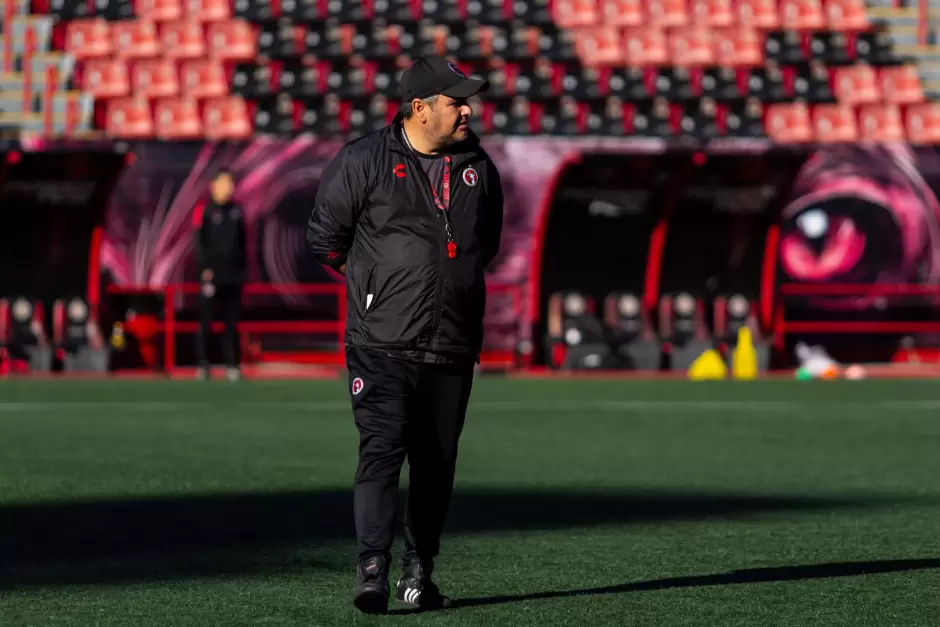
(443, 206)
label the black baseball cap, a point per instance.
(430, 76)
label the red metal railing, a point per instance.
(170, 327)
(867, 290)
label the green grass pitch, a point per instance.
(589, 503)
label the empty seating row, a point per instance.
(612, 46)
(234, 117)
(795, 14)
(621, 333)
(860, 84)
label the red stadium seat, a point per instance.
(203, 78)
(207, 10)
(135, 39)
(802, 15)
(183, 39)
(881, 123)
(599, 46)
(645, 46)
(691, 46)
(922, 122)
(575, 13)
(226, 118)
(758, 13)
(160, 10)
(857, 84)
(621, 12)
(846, 15)
(738, 46)
(177, 118)
(714, 13)
(835, 123)
(901, 84)
(666, 13)
(106, 78)
(155, 78)
(129, 118)
(232, 41)
(789, 123)
(88, 38)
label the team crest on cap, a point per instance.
(455, 69)
(357, 386)
(470, 177)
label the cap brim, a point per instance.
(467, 88)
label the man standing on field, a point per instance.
(411, 215)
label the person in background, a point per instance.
(221, 249)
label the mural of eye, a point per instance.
(840, 239)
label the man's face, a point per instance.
(447, 120)
(222, 188)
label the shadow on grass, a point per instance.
(203, 536)
(735, 577)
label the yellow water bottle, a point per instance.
(744, 360)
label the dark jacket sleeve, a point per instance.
(241, 245)
(339, 202)
(201, 236)
(494, 213)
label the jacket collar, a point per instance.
(468, 149)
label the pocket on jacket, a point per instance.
(370, 297)
(363, 288)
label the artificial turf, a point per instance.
(132, 503)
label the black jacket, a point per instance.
(221, 243)
(375, 213)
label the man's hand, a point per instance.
(342, 269)
(207, 275)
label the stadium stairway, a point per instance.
(788, 70)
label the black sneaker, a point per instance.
(372, 595)
(416, 588)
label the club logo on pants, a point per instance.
(357, 386)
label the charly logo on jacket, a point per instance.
(357, 386)
(470, 177)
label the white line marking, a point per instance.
(533, 406)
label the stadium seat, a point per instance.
(922, 122)
(720, 83)
(105, 78)
(691, 46)
(712, 13)
(830, 48)
(645, 47)
(742, 118)
(737, 47)
(77, 337)
(182, 39)
(875, 48)
(600, 46)
(631, 331)
(177, 118)
(682, 325)
(881, 123)
(88, 38)
(160, 10)
(802, 15)
(576, 339)
(846, 15)
(857, 84)
(760, 14)
(732, 312)
(135, 39)
(231, 41)
(575, 13)
(203, 79)
(621, 13)
(129, 118)
(155, 78)
(653, 119)
(835, 123)
(276, 115)
(666, 13)
(226, 118)
(789, 123)
(901, 84)
(812, 84)
(784, 47)
(207, 10)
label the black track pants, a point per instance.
(405, 409)
(228, 298)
